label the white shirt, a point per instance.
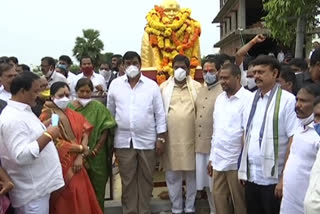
(288, 123)
(228, 130)
(56, 77)
(139, 112)
(71, 77)
(312, 198)
(4, 95)
(97, 79)
(303, 153)
(34, 173)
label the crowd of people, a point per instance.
(248, 136)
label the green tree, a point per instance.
(75, 69)
(89, 45)
(37, 70)
(289, 20)
(106, 57)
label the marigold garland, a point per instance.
(169, 39)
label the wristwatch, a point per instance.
(161, 139)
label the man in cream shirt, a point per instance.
(204, 107)
(179, 94)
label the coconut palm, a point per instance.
(89, 45)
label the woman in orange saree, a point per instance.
(77, 196)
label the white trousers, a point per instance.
(210, 200)
(38, 206)
(174, 183)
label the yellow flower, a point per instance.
(168, 44)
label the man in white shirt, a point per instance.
(302, 153)
(87, 71)
(135, 101)
(270, 121)
(66, 60)
(27, 151)
(7, 74)
(48, 66)
(312, 198)
(227, 140)
(107, 73)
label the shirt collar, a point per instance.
(213, 85)
(266, 95)
(236, 95)
(18, 105)
(93, 74)
(141, 79)
(308, 127)
(2, 90)
(239, 92)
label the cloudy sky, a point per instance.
(36, 28)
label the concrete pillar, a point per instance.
(222, 29)
(227, 20)
(233, 21)
(242, 14)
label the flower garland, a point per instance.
(169, 39)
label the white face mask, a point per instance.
(106, 74)
(251, 83)
(84, 102)
(49, 73)
(210, 78)
(306, 121)
(132, 71)
(61, 102)
(180, 74)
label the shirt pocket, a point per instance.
(143, 102)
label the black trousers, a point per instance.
(261, 200)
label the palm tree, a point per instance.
(89, 45)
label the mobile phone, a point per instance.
(54, 120)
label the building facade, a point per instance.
(239, 21)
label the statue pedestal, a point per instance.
(151, 72)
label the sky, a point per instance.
(33, 29)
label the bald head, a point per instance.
(170, 3)
(171, 8)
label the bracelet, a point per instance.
(11, 184)
(81, 148)
(48, 135)
(161, 139)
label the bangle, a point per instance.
(48, 135)
(81, 148)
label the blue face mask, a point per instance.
(317, 127)
(210, 78)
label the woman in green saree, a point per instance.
(101, 137)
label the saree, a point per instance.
(77, 197)
(99, 167)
